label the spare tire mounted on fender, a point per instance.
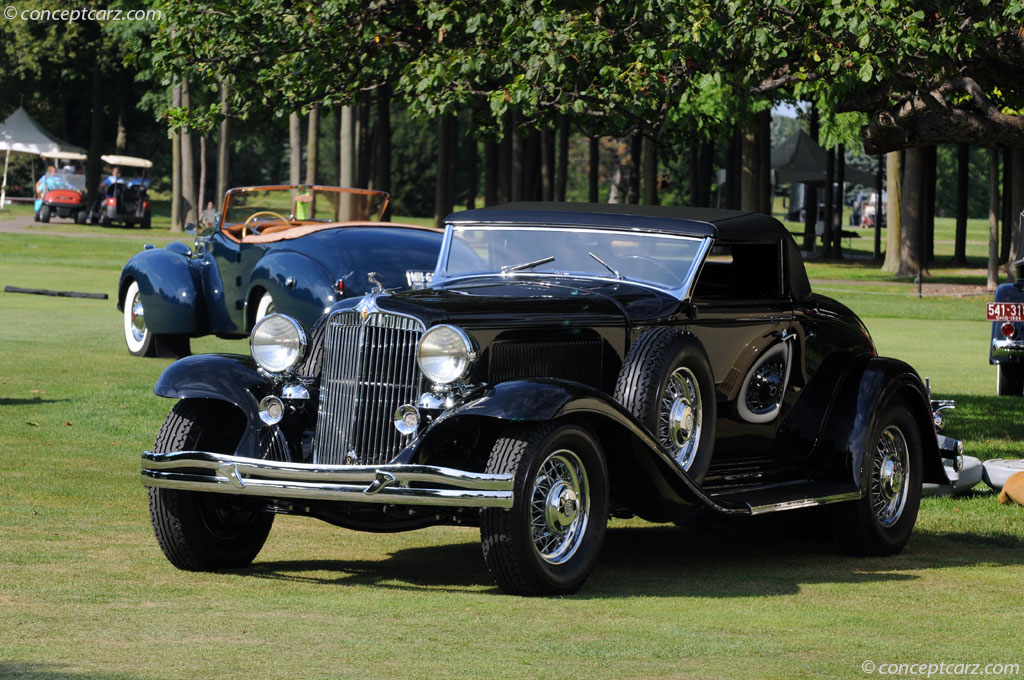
(667, 384)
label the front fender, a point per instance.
(640, 470)
(301, 286)
(168, 290)
(870, 382)
(225, 377)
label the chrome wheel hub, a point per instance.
(559, 506)
(679, 423)
(890, 468)
(138, 319)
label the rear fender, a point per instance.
(301, 287)
(645, 476)
(224, 377)
(168, 291)
(840, 452)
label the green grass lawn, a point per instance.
(85, 592)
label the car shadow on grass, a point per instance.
(26, 402)
(706, 557)
(33, 671)
(984, 417)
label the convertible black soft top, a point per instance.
(726, 225)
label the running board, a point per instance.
(791, 496)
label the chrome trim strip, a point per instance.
(1008, 348)
(804, 503)
(355, 483)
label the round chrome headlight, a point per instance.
(277, 343)
(444, 354)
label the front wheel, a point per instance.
(44, 213)
(141, 342)
(204, 531)
(81, 217)
(881, 522)
(548, 543)
(1009, 380)
(265, 306)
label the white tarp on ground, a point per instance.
(19, 133)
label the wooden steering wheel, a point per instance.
(250, 218)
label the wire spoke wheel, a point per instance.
(559, 506)
(890, 470)
(680, 417)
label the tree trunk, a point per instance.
(223, 146)
(963, 155)
(562, 171)
(176, 166)
(636, 150)
(693, 163)
(294, 149)
(382, 132)
(732, 180)
(532, 186)
(810, 217)
(1004, 242)
(121, 141)
(201, 200)
(188, 172)
(764, 166)
(749, 198)
(547, 163)
(894, 222)
(347, 147)
(706, 170)
(931, 158)
(472, 174)
(830, 170)
(444, 194)
(491, 174)
(93, 164)
(837, 233)
(312, 144)
(593, 169)
(363, 147)
(650, 161)
(878, 209)
(993, 218)
(516, 159)
(1016, 205)
(911, 243)
(504, 176)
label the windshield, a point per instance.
(304, 204)
(663, 261)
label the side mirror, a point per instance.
(190, 229)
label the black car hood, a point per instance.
(498, 302)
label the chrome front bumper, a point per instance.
(1007, 348)
(383, 484)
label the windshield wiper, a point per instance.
(606, 266)
(527, 265)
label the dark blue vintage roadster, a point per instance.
(568, 363)
(291, 249)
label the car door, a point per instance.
(744, 318)
(223, 284)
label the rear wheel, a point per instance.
(44, 213)
(549, 542)
(81, 217)
(1009, 380)
(147, 220)
(881, 522)
(204, 531)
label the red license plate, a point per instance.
(1004, 311)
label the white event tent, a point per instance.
(20, 134)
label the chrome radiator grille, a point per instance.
(369, 370)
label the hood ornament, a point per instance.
(378, 286)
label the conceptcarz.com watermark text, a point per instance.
(13, 13)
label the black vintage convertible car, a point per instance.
(568, 363)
